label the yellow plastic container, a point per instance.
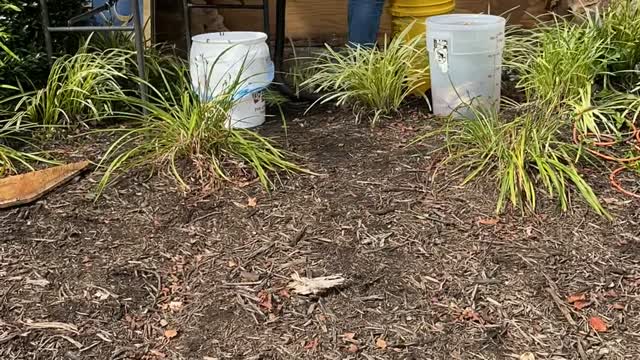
(419, 11)
(414, 13)
(419, 3)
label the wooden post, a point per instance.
(148, 21)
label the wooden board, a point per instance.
(25, 188)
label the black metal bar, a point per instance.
(187, 24)
(224, 6)
(90, 28)
(88, 14)
(139, 35)
(266, 19)
(152, 17)
(280, 82)
(281, 13)
(47, 35)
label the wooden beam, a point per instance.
(148, 20)
(326, 21)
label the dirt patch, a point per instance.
(431, 272)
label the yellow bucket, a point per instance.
(419, 3)
(418, 26)
(414, 13)
(419, 11)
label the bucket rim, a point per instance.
(456, 21)
(399, 5)
(231, 38)
(424, 11)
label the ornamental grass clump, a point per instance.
(374, 81)
(176, 132)
(525, 155)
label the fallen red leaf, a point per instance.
(579, 305)
(472, 315)
(576, 297)
(353, 348)
(597, 324)
(349, 337)
(284, 294)
(312, 344)
(265, 300)
(488, 221)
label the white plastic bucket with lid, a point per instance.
(219, 59)
(465, 59)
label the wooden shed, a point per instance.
(314, 21)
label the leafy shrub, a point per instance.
(5, 52)
(26, 39)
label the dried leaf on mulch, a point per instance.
(310, 345)
(597, 324)
(579, 305)
(170, 333)
(353, 348)
(308, 286)
(576, 297)
(350, 337)
(488, 221)
(265, 300)
(472, 315)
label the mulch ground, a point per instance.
(149, 273)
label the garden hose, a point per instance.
(633, 138)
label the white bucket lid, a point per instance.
(231, 37)
(465, 22)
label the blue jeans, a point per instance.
(364, 21)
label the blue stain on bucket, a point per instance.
(118, 15)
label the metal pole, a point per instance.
(281, 13)
(265, 14)
(187, 24)
(154, 39)
(139, 38)
(91, 28)
(45, 26)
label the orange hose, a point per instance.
(635, 134)
(616, 184)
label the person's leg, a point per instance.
(364, 21)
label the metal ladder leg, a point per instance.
(266, 18)
(45, 27)
(187, 24)
(139, 39)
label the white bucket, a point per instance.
(248, 112)
(465, 59)
(219, 59)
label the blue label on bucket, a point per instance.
(252, 88)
